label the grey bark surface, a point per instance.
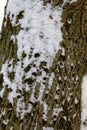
(75, 66)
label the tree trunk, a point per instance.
(37, 96)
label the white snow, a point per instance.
(48, 128)
(69, 1)
(76, 100)
(84, 104)
(6, 121)
(77, 78)
(11, 128)
(2, 112)
(13, 38)
(56, 111)
(40, 33)
(51, 80)
(69, 20)
(45, 111)
(2, 5)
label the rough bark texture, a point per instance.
(69, 77)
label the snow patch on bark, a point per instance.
(84, 104)
(69, 1)
(48, 128)
(38, 42)
(2, 5)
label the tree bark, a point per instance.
(68, 77)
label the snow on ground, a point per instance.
(84, 104)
